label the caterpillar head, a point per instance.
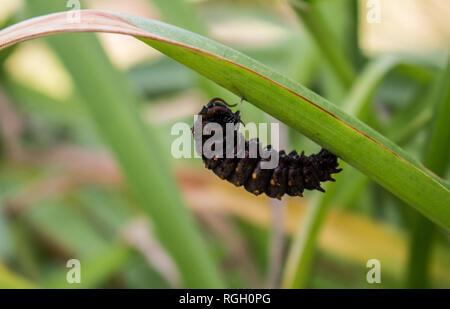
(217, 110)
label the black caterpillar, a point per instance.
(293, 174)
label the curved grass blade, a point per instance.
(291, 103)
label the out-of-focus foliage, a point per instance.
(63, 196)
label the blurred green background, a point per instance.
(71, 186)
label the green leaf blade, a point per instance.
(291, 103)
